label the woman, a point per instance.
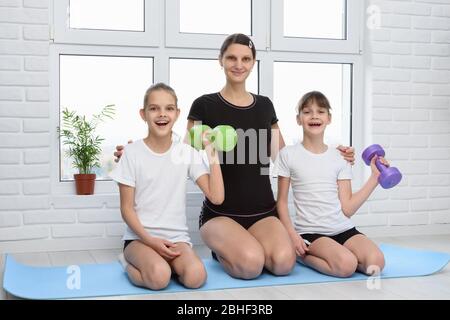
(244, 232)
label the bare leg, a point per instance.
(135, 276)
(329, 257)
(146, 267)
(278, 249)
(238, 251)
(188, 266)
(370, 258)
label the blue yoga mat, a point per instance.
(109, 279)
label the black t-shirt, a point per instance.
(245, 169)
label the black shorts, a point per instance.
(339, 238)
(246, 221)
(126, 243)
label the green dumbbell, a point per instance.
(223, 137)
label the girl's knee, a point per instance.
(375, 263)
(194, 276)
(157, 276)
(345, 265)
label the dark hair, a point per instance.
(313, 97)
(160, 86)
(238, 38)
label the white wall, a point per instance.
(408, 100)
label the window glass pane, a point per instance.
(107, 14)
(216, 16)
(192, 78)
(88, 83)
(333, 80)
(315, 19)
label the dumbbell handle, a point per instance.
(380, 166)
(222, 137)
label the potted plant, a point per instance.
(84, 145)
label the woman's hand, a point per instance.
(348, 153)
(119, 151)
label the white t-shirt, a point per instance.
(159, 180)
(314, 186)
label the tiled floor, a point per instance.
(436, 286)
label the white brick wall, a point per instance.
(26, 214)
(410, 107)
(409, 58)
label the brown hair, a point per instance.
(238, 38)
(160, 86)
(313, 97)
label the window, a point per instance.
(125, 15)
(205, 23)
(107, 22)
(209, 78)
(332, 79)
(317, 26)
(111, 51)
(213, 16)
(305, 19)
(88, 83)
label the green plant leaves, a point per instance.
(78, 134)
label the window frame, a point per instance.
(62, 33)
(347, 114)
(67, 186)
(352, 44)
(358, 115)
(204, 55)
(166, 45)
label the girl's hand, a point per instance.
(210, 148)
(301, 249)
(348, 153)
(164, 248)
(375, 171)
(205, 138)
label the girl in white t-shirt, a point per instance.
(323, 235)
(152, 177)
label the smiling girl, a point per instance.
(152, 177)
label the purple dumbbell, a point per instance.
(389, 176)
